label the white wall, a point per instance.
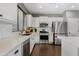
(9, 11)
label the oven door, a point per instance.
(43, 37)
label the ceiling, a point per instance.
(50, 8)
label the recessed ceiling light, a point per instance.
(72, 6)
(40, 6)
(56, 6)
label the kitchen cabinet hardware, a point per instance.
(16, 51)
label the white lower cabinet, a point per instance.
(18, 51)
(50, 36)
(68, 47)
(69, 50)
(32, 42)
(37, 38)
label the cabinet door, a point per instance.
(33, 22)
(32, 42)
(36, 37)
(30, 45)
(36, 22)
(29, 20)
(43, 20)
(72, 26)
(68, 48)
(16, 52)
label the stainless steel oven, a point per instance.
(44, 33)
(43, 37)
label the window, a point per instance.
(20, 19)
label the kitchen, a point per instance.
(36, 29)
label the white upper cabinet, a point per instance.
(72, 26)
(54, 19)
(43, 19)
(72, 14)
(29, 20)
(9, 11)
(72, 18)
(36, 21)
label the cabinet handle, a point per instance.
(16, 51)
(55, 36)
(69, 32)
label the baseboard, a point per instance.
(49, 44)
(57, 44)
(44, 43)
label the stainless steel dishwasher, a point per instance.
(26, 48)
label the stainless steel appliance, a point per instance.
(43, 37)
(55, 29)
(43, 25)
(44, 33)
(58, 28)
(26, 48)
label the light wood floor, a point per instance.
(46, 50)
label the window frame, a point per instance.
(18, 18)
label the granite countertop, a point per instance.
(7, 44)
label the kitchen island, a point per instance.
(69, 45)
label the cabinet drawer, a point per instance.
(16, 52)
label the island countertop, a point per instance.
(74, 40)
